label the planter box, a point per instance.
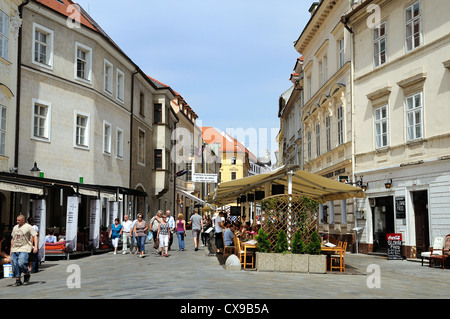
(291, 263)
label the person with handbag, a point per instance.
(140, 228)
(154, 223)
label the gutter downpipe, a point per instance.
(19, 84)
(131, 145)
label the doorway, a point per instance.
(383, 222)
(420, 204)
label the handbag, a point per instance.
(150, 235)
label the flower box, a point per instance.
(291, 263)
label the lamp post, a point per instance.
(35, 170)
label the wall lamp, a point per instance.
(361, 184)
(388, 184)
(35, 170)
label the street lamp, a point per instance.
(35, 170)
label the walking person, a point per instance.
(22, 236)
(126, 231)
(206, 226)
(219, 221)
(171, 222)
(33, 264)
(114, 234)
(140, 229)
(197, 227)
(181, 231)
(154, 223)
(163, 235)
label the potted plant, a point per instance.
(264, 259)
(299, 259)
(317, 262)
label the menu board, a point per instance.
(394, 246)
(400, 207)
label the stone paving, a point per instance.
(193, 275)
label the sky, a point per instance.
(229, 59)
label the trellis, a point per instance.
(289, 213)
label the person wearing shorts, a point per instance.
(114, 234)
(163, 235)
(197, 227)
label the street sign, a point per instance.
(204, 178)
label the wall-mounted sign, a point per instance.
(204, 178)
(400, 207)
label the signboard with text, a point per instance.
(204, 178)
(394, 242)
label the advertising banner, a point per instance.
(39, 213)
(394, 246)
(71, 224)
(94, 226)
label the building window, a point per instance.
(4, 35)
(157, 113)
(328, 132)
(141, 147)
(41, 120)
(233, 161)
(340, 122)
(106, 138)
(309, 81)
(341, 52)
(83, 63)
(119, 143)
(43, 46)
(381, 126)
(120, 80)
(189, 172)
(325, 68)
(233, 176)
(142, 104)
(158, 159)
(318, 139)
(309, 145)
(81, 130)
(2, 130)
(108, 79)
(414, 116)
(413, 17)
(321, 75)
(379, 44)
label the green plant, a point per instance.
(298, 245)
(263, 241)
(313, 247)
(282, 242)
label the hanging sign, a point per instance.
(71, 224)
(94, 226)
(204, 178)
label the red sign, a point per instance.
(396, 237)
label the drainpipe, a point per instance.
(19, 82)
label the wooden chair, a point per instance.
(227, 250)
(336, 259)
(243, 254)
(438, 244)
(441, 254)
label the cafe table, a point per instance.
(330, 249)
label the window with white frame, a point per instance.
(318, 139)
(82, 131)
(119, 142)
(340, 125)
(4, 35)
(3, 112)
(321, 75)
(328, 131)
(106, 138)
(379, 44)
(325, 68)
(41, 120)
(141, 147)
(414, 116)
(341, 56)
(309, 146)
(83, 63)
(381, 126)
(120, 81)
(108, 76)
(42, 46)
(413, 20)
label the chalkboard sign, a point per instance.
(394, 246)
(400, 207)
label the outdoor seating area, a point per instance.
(439, 253)
(335, 255)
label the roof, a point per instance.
(227, 143)
(311, 185)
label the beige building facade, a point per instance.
(402, 136)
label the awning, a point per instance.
(190, 196)
(21, 188)
(304, 183)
